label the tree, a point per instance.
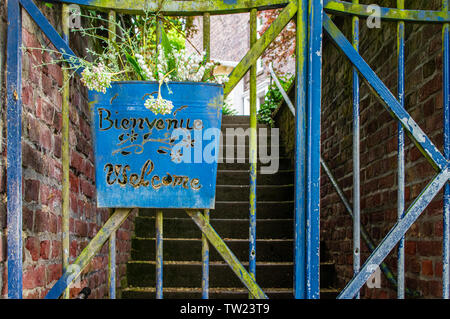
(283, 46)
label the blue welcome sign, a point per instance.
(159, 161)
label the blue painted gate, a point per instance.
(312, 18)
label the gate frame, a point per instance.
(311, 17)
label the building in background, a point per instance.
(230, 41)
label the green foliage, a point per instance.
(135, 65)
(228, 110)
(272, 99)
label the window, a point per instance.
(259, 63)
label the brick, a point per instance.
(45, 193)
(56, 248)
(45, 249)
(74, 183)
(76, 161)
(73, 249)
(410, 248)
(47, 84)
(81, 228)
(45, 137)
(57, 146)
(427, 268)
(41, 221)
(2, 248)
(52, 223)
(28, 97)
(429, 248)
(87, 188)
(54, 272)
(430, 87)
(55, 72)
(55, 169)
(31, 189)
(31, 158)
(33, 246)
(33, 277)
(73, 203)
(45, 111)
(27, 219)
(32, 128)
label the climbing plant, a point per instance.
(272, 99)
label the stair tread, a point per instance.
(262, 186)
(182, 261)
(211, 289)
(228, 240)
(259, 202)
(248, 170)
(221, 219)
(219, 263)
(211, 263)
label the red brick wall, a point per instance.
(42, 175)
(379, 151)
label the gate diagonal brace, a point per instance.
(94, 246)
(395, 234)
(226, 254)
(392, 105)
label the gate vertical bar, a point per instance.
(205, 244)
(356, 155)
(205, 261)
(446, 200)
(112, 238)
(159, 254)
(300, 151)
(14, 146)
(159, 216)
(313, 111)
(253, 151)
(401, 153)
(65, 155)
(112, 264)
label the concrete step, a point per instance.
(242, 152)
(245, 145)
(196, 293)
(226, 228)
(241, 119)
(189, 274)
(242, 177)
(263, 192)
(284, 163)
(217, 293)
(232, 136)
(189, 249)
(182, 244)
(235, 209)
(245, 126)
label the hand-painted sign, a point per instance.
(160, 161)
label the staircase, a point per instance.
(182, 270)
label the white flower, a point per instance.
(159, 105)
(97, 78)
